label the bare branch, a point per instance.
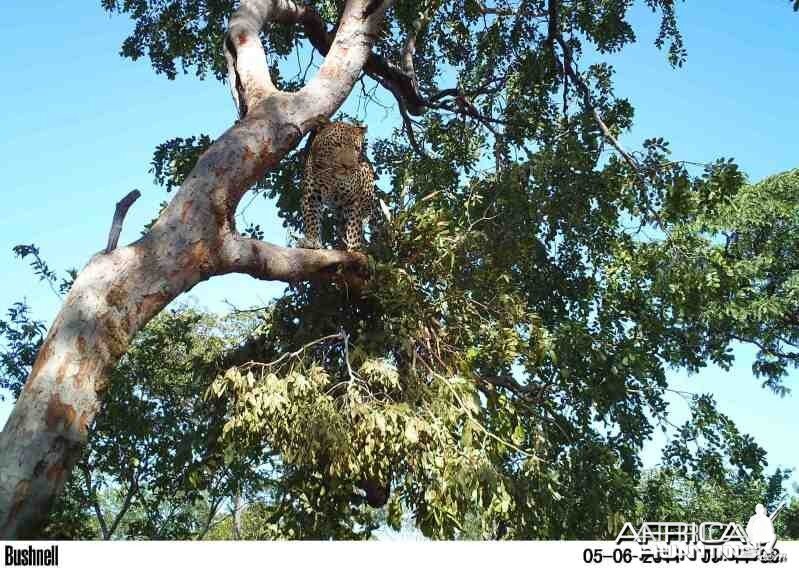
(589, 104)
(294, 354)
(509, 383)
(407, 122)
(490, 86)
(237, 513)
(346, 337)
(133, 488)
(267, 261)
(119, 218)
(212, 511)
(95, 503)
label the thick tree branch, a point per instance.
(262, 260)
(248, 72)
(408, 53)
(392, 77)
(401, 81)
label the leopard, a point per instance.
(338, 176)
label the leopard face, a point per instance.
(338, 145)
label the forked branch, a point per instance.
(248, 72)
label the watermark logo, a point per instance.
(708, 542)
(760, 529)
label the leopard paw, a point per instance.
(309, 244)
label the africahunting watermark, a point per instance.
(708, 542)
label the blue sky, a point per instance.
(80, 125)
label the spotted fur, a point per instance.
(338, 176)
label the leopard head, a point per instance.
(358, 135)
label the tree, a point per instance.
(504, 344)
(119, 291)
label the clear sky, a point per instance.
(80, 124)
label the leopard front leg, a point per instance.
(353, 225)
(311, 219)
(341, 227)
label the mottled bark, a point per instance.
(195, 238)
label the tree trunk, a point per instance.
(118, 292)
(238, 508)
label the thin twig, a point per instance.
(485, 10)
(588, 102)
(296, 353)
(345, 336)
(471, 417)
